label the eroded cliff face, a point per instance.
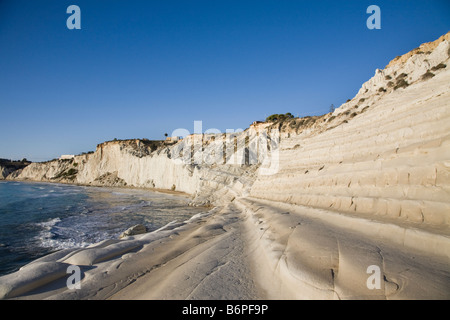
(117, 163)
(388, 160)
(184, 167)
(314, 203)
(8, 167)
(384, 153)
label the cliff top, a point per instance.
(14, 163)
(426, 47)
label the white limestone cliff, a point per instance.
(366, 185)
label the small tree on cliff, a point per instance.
(276, 117)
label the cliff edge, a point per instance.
(9, 166)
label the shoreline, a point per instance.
(140, 267)
(178, 198)
(157, 190)
(250, 251)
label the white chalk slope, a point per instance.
(365, 188)
(372, 191)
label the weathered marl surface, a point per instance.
(366, 186)
(390, 162)
(373, 191)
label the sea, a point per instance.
(37, 219)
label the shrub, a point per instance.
(71, 172)
(388, 77)
(382, 89)
(401, 76)
(439, 66)
(402, 83)
(276, 117)
(390, 84)
(427, 75)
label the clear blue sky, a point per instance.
(139, 69)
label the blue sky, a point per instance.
(139, 69)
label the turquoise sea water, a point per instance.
(40, 218)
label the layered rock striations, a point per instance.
(320, 202)
(369, 187)
(389, 159)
